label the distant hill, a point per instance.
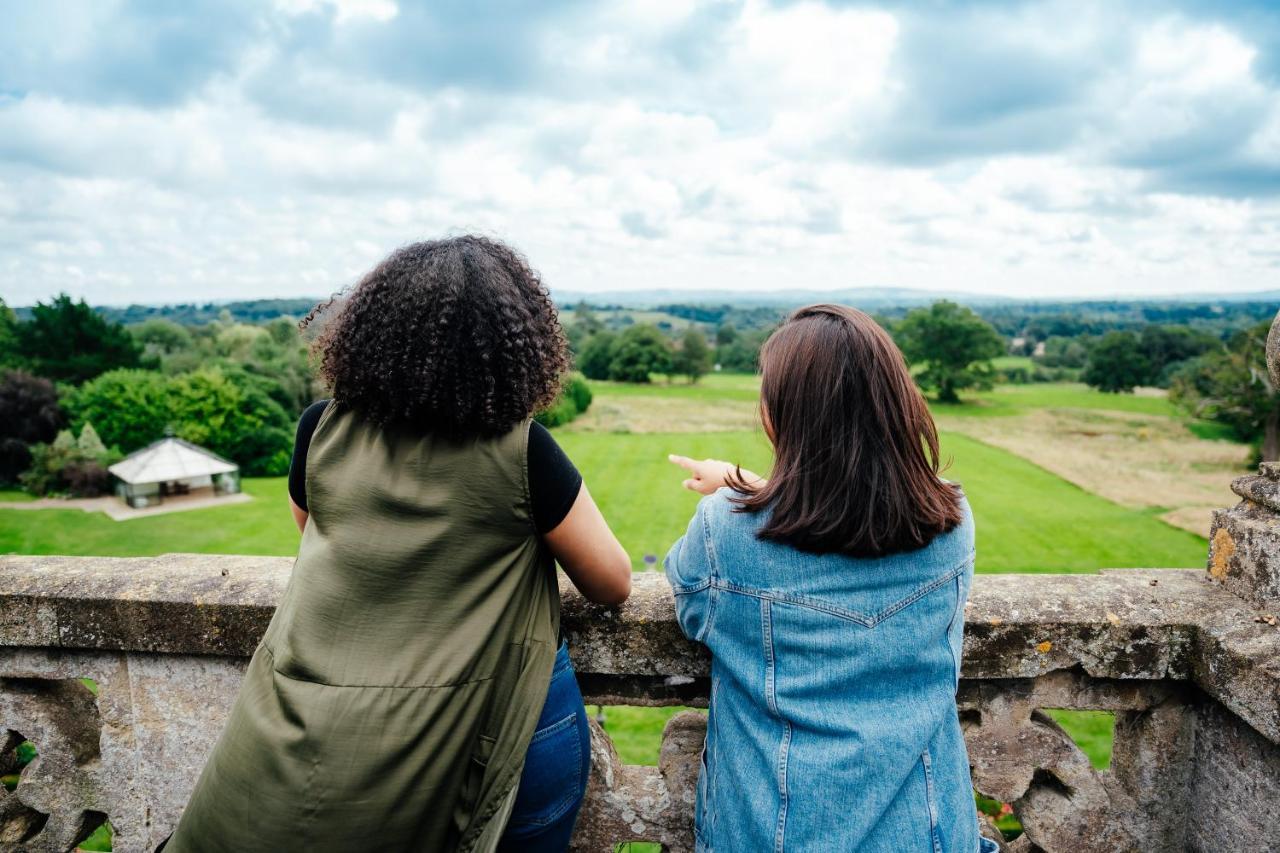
(746, 309)
(867, 298)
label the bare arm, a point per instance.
(589, 553)
(299, 514)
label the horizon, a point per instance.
(709, 296)
(1043, 150)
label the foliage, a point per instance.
(9, 355)
(69, 341)
(69, 465)
(1061, 351)
(29, 414)
(596, 355)
(955, 345)
(130, 408)
(577, 389)
(1231, 386)
(573, 400)
(641, 351)
(1166, 347)
(739, 352)
(231, 412)
(1117, 363)
(693, 358)
(161, 338)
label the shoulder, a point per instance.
(311, 415)
(720, 513)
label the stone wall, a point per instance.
(1190, 668)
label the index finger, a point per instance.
(683, 461)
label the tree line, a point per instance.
(79, 389)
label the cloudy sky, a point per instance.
(211, 149)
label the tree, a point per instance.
(741, 354)
(586, 319)
(9, 353)
(1231, 386)
(69, 341)
(641, 350)
(955, 345)
(693, 358)
(1117, 364)
(1064, 352)
(29, 415)
(597, 354)
(161, 339)
(725, 334)
(1167, 346)
(129, 408)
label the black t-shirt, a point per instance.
(554, 482)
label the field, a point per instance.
(1060, 478)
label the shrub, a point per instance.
(641, 350)
(29, 414)
(577, 389)
(70, 466)
(558, 413)
(230, 412)
(574, 399)
(596, 355)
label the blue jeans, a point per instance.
(555, 769)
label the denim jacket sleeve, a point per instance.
(690, 567)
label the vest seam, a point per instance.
(294, 678)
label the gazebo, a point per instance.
(172, 466)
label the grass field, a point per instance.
(1028, 519)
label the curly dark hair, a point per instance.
(457, 336)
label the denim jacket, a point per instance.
(833, 723)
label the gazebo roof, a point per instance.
(170, 459)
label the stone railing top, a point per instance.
(1123, 624)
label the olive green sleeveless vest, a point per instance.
(394, 694)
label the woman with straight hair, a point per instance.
(831, 596)
(412, 692)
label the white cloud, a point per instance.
(682, 144)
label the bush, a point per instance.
(1015, 375)
(67, 465)
(231, 413)
(29, 414)
(574, 399)
(641, 350)
(596, 355)
(558, 413)
(577, 389)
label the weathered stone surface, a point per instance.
(1234, 794)
(1177, 655)
(655, 804)
(1273, 351)
(1244, 544)
(177, 603)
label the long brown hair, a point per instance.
(856, 451)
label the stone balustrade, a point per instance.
(1188, 661)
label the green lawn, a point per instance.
(14, 496)
(1028, 519)
(262, 526)
(1015, 399)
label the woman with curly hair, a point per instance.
(411, 691)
